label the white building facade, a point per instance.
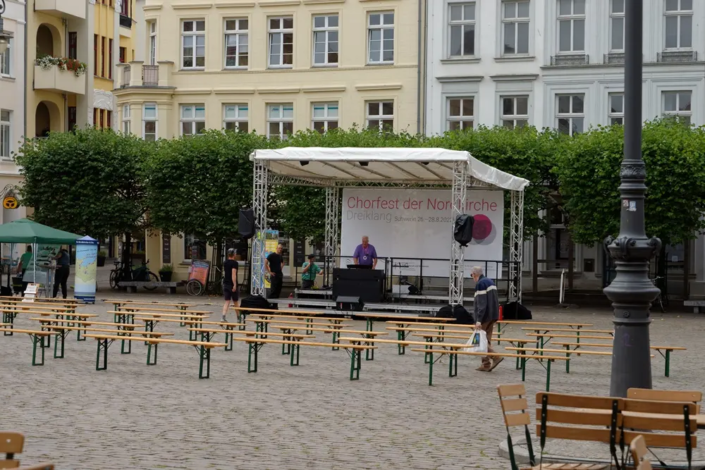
(559, 64)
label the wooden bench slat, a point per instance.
(302, 343)
(158, 340)
(517, 419)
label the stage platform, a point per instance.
(387, 307)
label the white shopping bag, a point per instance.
(477, 342)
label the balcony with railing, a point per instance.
(62, 8)
(137, 74)
(125, 21)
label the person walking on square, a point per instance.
(486, 313)
(62, 272)
(230, 293)
(274, 263)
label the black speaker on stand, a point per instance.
(246, 224)
(463, 229)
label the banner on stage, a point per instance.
(416, 223)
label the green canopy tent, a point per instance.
(30, 232)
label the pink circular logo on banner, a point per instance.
(482, 227)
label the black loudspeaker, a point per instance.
(246, 224)
(463, 229)
(348, 304)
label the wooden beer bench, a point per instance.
(119, 303)
(263, 324)
(126, 316)
(505, 323)
(455, 350)
(150, 321)
(369, 355)
(61, 332)
(208, 333)
(202, 347)
(404, 320)
(10, 315)
(17, 303)
(255, 344)
(81, 324)
(243, 312)
(37, 338)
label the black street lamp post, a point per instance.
(632, 292)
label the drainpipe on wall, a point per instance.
(419, 94)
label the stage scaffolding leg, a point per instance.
(516, 245)
(260, 183)
(457, 253)
(332, 227)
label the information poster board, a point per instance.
(271, 240)
(86, 268)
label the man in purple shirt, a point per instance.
(365, 254)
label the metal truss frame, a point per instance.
(457, 252)
(516, 245)
(259, 206)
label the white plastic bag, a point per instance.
(477, 342)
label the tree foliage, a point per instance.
(89, 182)
(674, 154)
(197, 185)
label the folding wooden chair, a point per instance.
(639, 451)
(515, 411)
(11, 443)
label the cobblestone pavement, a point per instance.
(283, 417)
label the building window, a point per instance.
(617, 26)
(126, 119)
(5, 133)
(281, 42)
(193, 119)
(679, 24)
(677, 104)
(461, 26)
(72, 118)
(109, 119)
(280, 120)
(325, 116)
(125, 8)
(153, 43)
(236, 43)
(235, 117)
(571, 25)
(571, 114)
(515, 111)
(123, 55)
(325, 40)
(149, 122)
(6, 61)
(616, 114)
(460, 113)
(380, 115)
(73, 45)
(515, 25)
(103, 49)
(110, 58)
(96, 56)
(193, 44)
(380, 38)
(101, 118)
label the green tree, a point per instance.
(197, 185)
(588, 169)
(89, 182)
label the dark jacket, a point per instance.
(486, 301)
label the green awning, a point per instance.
(28, 231)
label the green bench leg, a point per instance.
(370, 353)
(430, 368)
(286, 348)
(294, 354)
(59, 338)
(523, 369)
(37, 341)
(229, 341)
(149, 354)
(453, 365)
(668, 362)
(336, 340)
(243, 320)
(8, 318)
(401, 348)
(548, 375)
(78, 336)
(205, 356)
(309, 331)
(124, 342)
(355, 364)
(252, 357)
(567, 362)
(102, 344)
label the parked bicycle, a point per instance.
(139, 274)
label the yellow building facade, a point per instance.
(270, 66)
(91, 33)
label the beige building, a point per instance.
(273, 66)
(270, 66)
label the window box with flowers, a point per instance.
(60, 74)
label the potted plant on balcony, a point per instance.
(46, 62)
(165, 272)
(102, 254)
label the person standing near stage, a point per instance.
(310, 271)
(62, 272)
(486, 313)
(230, 293)
(274, 263)
(365, 254)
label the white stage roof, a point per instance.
(384, 165)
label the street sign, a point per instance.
(2, 7)
(10, 202)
